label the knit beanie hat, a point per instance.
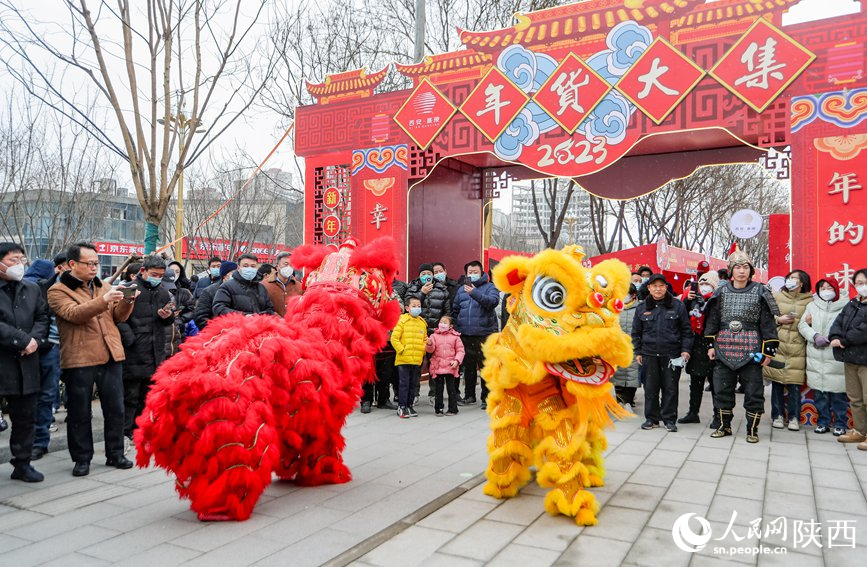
(425, 268)
(226, 267)
(711, 278)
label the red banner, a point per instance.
(205, 248)
(779, 245)
(840, 207)
(118, 249)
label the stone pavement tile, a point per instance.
(757, 451)
(300, 525)
(410, 547)
(850, 502)
(792, 506)
(628, 521)
(53, 525)
(247, 551)
(43, 493)
(653, 475)
(623, 462)
(709, 455)
(831, 479)
(635, 446)
(483, 540)
(666, 458)
(843, 557)
(710, 561)
(723, 443)
(594, 550)
(13, 520)
(475, 493)
(293, 502)
(723, 508)
(792, 483)
(689, 490)
(718, 531)
(676, 443)
(788, 465)
(313, 550)
(655, 547)
(786, 436)
(776, 540)
(837, 463)
(790, 559)
(406, 475)
(162, 555)
(670, 510)
(140, 540)
(550, 532)
(789, 450)
(137, 498)
(459, 514)
(203, 539)
(698, 470)
(61, 545)
(638, 496)
(750, 487)
(359, 496)
(515, 555)
(76, 560)
(369, 521)
(82, 499)
(149, 478)
(138, 517)
(10, 542)
(747, 466)
(522, 509)
(839, 522)
(613, 481)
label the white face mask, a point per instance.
(827, 294)
(705, 289)
(16, 272)
(791, 284)
(861, 289)
(287, 272)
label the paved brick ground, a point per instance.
(416, 500)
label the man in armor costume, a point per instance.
(740, 324)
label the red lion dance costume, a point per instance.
(252, 396)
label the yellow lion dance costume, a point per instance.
(548, 374)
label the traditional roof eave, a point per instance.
(443, 64)
(570, 20)
(349, 84)
(724, 11)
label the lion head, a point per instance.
(564, 317)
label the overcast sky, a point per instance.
(258, 131)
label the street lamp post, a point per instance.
(181, 124)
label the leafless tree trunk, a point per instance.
(142, 58)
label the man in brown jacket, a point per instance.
(284, 285)
(91, 353)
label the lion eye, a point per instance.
(548, 293)
(601, 281)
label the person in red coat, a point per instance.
(447, 354)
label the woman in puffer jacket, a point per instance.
(626, 380)
(849, 341)
(792, 301)
(824, 374)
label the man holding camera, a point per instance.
(91, 352)
(144, 338)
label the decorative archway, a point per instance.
(622, 94)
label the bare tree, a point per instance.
(691, 213)
(138, 56)
(55, 179)
(550, 212)
(263, 209)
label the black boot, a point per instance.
(689, 418)
(714, 422)
(753, 420)
(725, 426)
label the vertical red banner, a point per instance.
(779, 245)
(841, 207)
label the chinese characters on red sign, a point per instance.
(841, 210)
(118, 249)
(424, 114)
(493, 104)
(761, 64)
(571, 92)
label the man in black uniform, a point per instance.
(740, 323)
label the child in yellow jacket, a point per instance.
(408, 339)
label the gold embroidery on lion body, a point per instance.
(548, 374)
